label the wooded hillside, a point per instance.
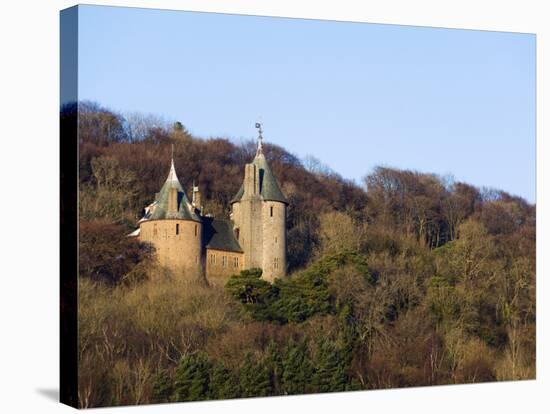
(405, 279)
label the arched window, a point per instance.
(271, 211)
(196, 230)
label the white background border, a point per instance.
(29, 196)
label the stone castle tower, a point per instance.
(172, 225)
(259, 218)
(199, 246)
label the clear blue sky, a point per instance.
(353, 95)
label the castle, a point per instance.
(194, 245)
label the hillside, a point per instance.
(405, 280)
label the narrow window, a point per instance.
(276, 263)
(177, 229)
(271, 211)
(155, 230)
(196, 230)
(224, 261)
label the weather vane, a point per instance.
(260, 137)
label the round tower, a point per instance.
(177, 244)
(172, 226)
(259, 218)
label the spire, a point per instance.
(172, 202)
(172, 175)
(268, 187)
(260, 138)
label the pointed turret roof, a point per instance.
(269, 188)
(159, 209)
(172, 176)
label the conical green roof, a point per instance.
(159, 208)
(269, 188)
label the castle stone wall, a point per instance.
(250, 231)
(247, 217)
(221, 264)
(178, 245)
(262, 235)
(273, 240)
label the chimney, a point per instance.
(197, 200)
(172, 201)
(250, 180)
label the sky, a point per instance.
(353, 95)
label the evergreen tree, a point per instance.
(274, 363)
(254, 293)
(163, 388)
(330, 374)
(347, 333)
(223, 383)
(297, 369)
(254, 378)
(178, 126)
(192, 378)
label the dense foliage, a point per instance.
(298, 298)
(412, 279)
